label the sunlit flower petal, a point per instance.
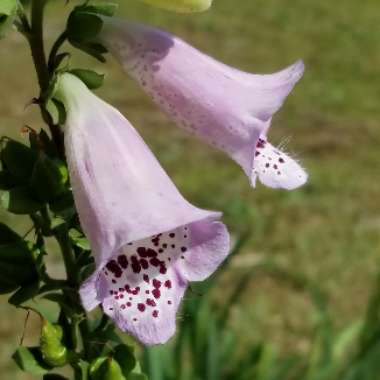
(227, 108)
(148, 241)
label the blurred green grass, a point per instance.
(329, 230)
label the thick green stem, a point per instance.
(64, 242)
(36, 42)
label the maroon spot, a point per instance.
(144, 264)
(281, 160)
(169, 302)
(275, 167)
(127, 288)
(121, 290)
(172, 234)
(164, 245)
(114, 281)
(134, 319)
(257, 153)
(278, 173)
(113, 267)
(136, 267)
(156, 293)
(122, 260)
(260, 143)
(122, 306)
(163, 269)
(183, 249)
(146, 278)
(183, 257)
(121, 296)
(147, 291)
(267, 165)
(150, 302)
(141, 307)
(168, 284)
(173, 245)
(111, 292)
(156, 283)
(128, 304)
(155, 313)
(142, 252)
(155, 262)
(151, 252)
(185, 236)
(160, 250)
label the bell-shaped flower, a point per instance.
(227, 108)
(147, 240)
(185, 6)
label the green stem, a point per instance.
(64, 242)
(37, 43)
(54, 50)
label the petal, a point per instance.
(276, 169)
(227, 108)
(210, 245)
(143, 285)
(121, 192)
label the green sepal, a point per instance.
(18, 159)
(24, 294)
(106, 369)
(105, 9)
(8, 12)
(125, 357)
(94, 49)
(54, 353)
(56, 111)
(19, 201)
(29, 359)
(17, 267)
(90, 78)
(83, 26)
(48, 178)
(79, 240)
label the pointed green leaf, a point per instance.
(124, 355)
(7, 235)
(91, 79)
(18, 159)
(24, 294)
(29, 359)
(19, 201)
(48, 178)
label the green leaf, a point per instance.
(79, 240)
(8, 10)
(106, 369)
(91, 79)
(124, 355)
(48, 178)
(24, 294)
(6, 181)
(7, 235)
(56, 111)
(64, 205)
(105, 9)
(29, 359)
(19, 201)
(16, 266)
(94, 49)
(83, 26)
(19, 159)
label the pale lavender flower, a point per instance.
(228, 108)
(147, 240)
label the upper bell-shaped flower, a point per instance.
(148, 241)
(184, 6)
(228, 108)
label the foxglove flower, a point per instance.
(181, 5)
(228, 108)
(148, 241)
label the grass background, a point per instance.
(328, 230)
